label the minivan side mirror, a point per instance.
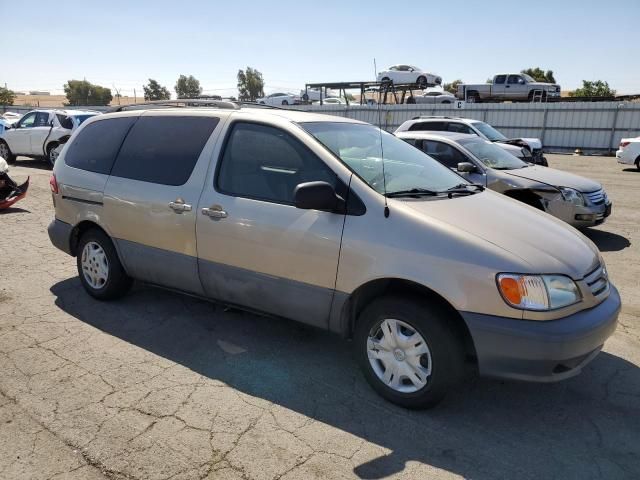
(317, 196)
(466, 167)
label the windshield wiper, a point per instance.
(462, 189)
(413, 192)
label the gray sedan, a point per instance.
(576, 200)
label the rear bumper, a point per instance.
(60, 235)
(542, 351)
(624, 159)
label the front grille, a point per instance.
(598, 281)
(596, 198)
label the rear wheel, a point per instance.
(99, 267)
(638, 163)
(5, 152)
(473, 97)
(408, 351)
(52, 153)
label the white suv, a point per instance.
(526, 149)
(39, 132)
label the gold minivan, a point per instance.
(337, 224)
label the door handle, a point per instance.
(179, 206)
(215, 211)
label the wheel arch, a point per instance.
(363, 295)
(526, 196)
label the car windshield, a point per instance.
(528, 78)
(492, 155)
(489, 132)
(360, 147)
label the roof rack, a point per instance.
(436, 116)
(189, 103)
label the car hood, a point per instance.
(542, 243)
(556, 178)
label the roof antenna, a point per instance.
(384, 177)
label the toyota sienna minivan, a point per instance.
(334, 223)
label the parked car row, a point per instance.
(337, 224)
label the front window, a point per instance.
(492, 155)
(489, 132)
(361, 148)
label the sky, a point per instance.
(121, 44)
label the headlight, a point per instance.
(571, 195)
(537, 292)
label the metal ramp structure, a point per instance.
(385, 90)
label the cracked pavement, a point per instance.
(164, 386)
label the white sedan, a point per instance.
(629, 152)
(408, 74)
(277, 99)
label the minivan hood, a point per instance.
(541, 242)
(556, 178)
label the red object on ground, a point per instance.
(20, 194)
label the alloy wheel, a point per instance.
(95, 265)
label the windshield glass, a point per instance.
(492, 155)
(405, 167)
(529, 78)
(489, 132)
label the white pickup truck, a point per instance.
(39, 132)
(508, 86)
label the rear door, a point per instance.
(151, 196)
(516, 87)
(255, 248)
(498, 86)
(39, 132)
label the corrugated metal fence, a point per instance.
(594, 126)
(591, 126)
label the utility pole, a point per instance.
(135, 98)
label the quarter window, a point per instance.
(458, 128)
(95, 147)
(163, 150)
(267, 163)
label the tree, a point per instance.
(596, 88)
(7, 96)
(82, 92)
(452, 87)
(188, 87)
(250, 84)
(540, 75)
(154, 91)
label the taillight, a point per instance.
(624, 144)
(53, 183)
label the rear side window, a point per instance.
(163, 150)
(96, 146)
(267, 163)
(428, 126)
(459, 128)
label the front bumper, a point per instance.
(542, 351)
(590, 215)
(60, 235)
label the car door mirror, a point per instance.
(466, 167)
(317, 196)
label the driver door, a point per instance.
(255, 248)
(18, 137)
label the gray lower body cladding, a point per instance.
(542, 351)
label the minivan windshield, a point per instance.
(492, 155)
(489, 132)
(361, 147)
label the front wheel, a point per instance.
(99, 267)
(408, 351)
(638, 163)
(284, 102)
(5, 152)
(421, 81)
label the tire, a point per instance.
(385, 81)
(411, 100)
(416, 381)
(473, 97)
(421, 81)
(5, 152)
(638, 163)
(446, 102)
(284, 102)
(305, 97)
(105, 279)
(51, 156)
